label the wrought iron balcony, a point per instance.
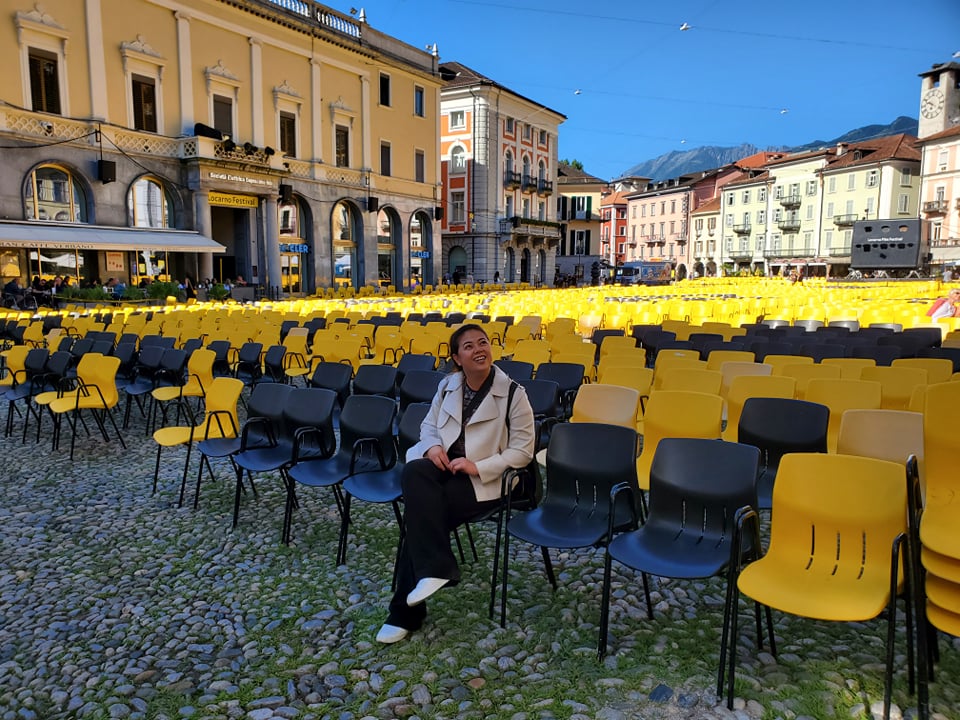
(778, 252)
(741, 253)
(680, 240)
(516, 226)
(529, 183)
(511, 180)
(544, 187)
(790, 201)
(937, 207)
(789, 225)
(845, 220)
(837, 251)
(742, 229)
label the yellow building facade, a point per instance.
(278, 141)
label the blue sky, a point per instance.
(647, 88)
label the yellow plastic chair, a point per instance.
(675, 413)
(516, 334)
(220, 421)
(689, 379)
(941, 450)
(776, 361)
(678, 358)
(610, 404)
(837, 521)
(850, 368)
(620, 358)
(96, 392)
(735, 368)
(896, 383)
(938, 370)
(532, 351)
(13, 362)
(199, 379)
(744, 387)
(717, 358)
(803, 373)
(616, 344)
(842, 395)
(892, 435)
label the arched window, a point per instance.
(52, 193)
(508, 162)
(458, 160)
(345, 257)
(149, 205)
(526, 166)
(542, 171)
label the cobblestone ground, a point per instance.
(116, 603)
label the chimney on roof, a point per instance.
(841, 148)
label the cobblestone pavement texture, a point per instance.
(116, 603)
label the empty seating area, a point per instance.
(312, 393)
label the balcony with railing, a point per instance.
(511, 180)
(517, 227)
(742, 229)
(680, 240)
(741, 253)
(838, 251)
(789, 225)
(544, 187)
(528, 183)
(845, 220)
(655, 240)
(936, 207)
(791, 201)
(776, 252)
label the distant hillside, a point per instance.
(674, 164)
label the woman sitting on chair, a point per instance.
(475, 430)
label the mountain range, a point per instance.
(676, 163)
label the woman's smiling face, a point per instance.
(472, 354)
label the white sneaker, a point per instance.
(390, 634)
(424, 589)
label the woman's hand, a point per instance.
(438, 456)
(462, 465)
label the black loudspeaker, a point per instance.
(438, 213)
(201, 130)
(106, 171)
(885, 244)
(373, 204)
(286, 193)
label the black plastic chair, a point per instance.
(702, 342)
(366, 443)
(569, 376)
(413, 361)
(881, 354)
(381, 486)
(333, 376)
(777, 426)
(223, 362)
(516, 369)
(819, 351)
(27, 383)
(142, 379)
(575, 509)
(248, 366)
(274, 368)
(375, 380)
(54, 378)
(419, 386)
(697, 487)
(544, 399)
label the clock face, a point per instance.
(932, 103)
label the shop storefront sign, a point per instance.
(294, 247)
(420, 253)
(232, 200)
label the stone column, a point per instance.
(204, 225)
(184, 51)
(271, 250)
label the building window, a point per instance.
(44, 81)
(809, 212)
(905, 176)
(811, 187)
(731, 198)
(420, 166)
(633, 211)
(851, 182)
(746, 197)
(288, 134)
(777, 192)
(761, 194)
(942, 160)
(457, 208)
(144, 103)
(458, 119)
(508, 205)
(729, 220)
(832, 185)
(53, 194)
(543, 137)
(761, 217)
(343, 146)
(149, 205)
(673, 206)
(223, 114)
(458, 160)
(541, 211)
(419, 102)
(527, 132)
(525, 212)
(385, 89)
(508, 127)
(903, 203)
(872, 178)
(385, 169)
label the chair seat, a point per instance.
(69, 402)
(170, 393)
(179, 434)
(381, 486)
(941, 565)
(264, 459)
(938, 528)
(943, 619)
(827, 596)
(326, 472)
(551, 528)
(660, 551)
(219, 447)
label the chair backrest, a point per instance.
(544, 397)
(220, 402)
(535, 352)
(569, 376)
(408, 429)
(333, 376)
(101, 371)
(200, 366)
(778, 426)
(896, 384)
(312, 408)
(676, 413)
(938, 369)
(413, 361)
(267, 400)
(716, 358)
(892, 435)
(370, 417)
(610, 404)
(735, 368)
(375, 380)
(698, 485)
(516, 369)
(747, 386)
(419, 386)
(694, 379)
(842, 395)
(941, 443)
(850, 367)
(803, 373)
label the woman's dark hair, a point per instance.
(459, 333)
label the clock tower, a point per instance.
(939, 99)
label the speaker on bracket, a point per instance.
(106, 171)
(286, 193)
(438, 212)
(373, 204)
(201, 130)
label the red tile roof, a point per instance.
(711, 205)
(869, 152)
(949, 132)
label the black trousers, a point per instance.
(435, 502)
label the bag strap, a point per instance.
(510, 393)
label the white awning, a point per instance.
(98, 237)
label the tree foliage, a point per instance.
(576, 164)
